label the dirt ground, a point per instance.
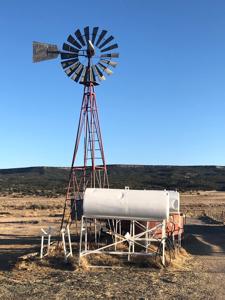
(199, 273)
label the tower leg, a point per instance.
(93, 172)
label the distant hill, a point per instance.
(52, 181)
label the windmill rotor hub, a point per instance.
(90, 49)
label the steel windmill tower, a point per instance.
(85, 58)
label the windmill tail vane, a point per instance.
(43, 51)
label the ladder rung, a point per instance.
(95, 158)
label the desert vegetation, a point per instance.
(51, 182)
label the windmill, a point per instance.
(86, 57)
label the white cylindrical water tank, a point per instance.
(126, 204)
(174, 201)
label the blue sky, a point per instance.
(165, 104)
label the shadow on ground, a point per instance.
(204, 236)
(14, 246)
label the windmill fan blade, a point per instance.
(110, 48)
(84, 73)
(94, 33)
(79, 74)
(74, 76)
(79, 68)
(79, 37)
(68, 63)
(86, 33)
(110, 55)
(72, 69)
(43, 51)
(105, 69)
(76, 72)
(72, 41)
(101, 36)
(106, 41)
(99, 73)
(109, 62)
(65, 55)
(69, 48)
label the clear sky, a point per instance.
(165, 103)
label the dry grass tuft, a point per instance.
(27, 262)
(103, 259)
(84, 264)
(122, 247)
(54, 260)
(181, 261)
